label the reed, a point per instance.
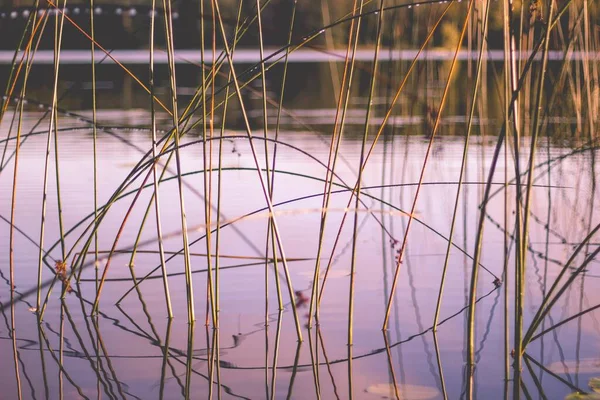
(463, 164)
(540, 78)
(359, 177)
(422, 174)
(159, 234)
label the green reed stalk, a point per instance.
(61, 347)
(336, 138)
(215, 305)
(106, 52)
(439, 363)
(184, 233)
(571, 318)
(565, 72)
(549, 300)
(523, 252)
(218, 361)
(586, 38)
(380, 131)
(482, 213)
(266, 367)
(159, 234)
(220, 161)
(463, 164)
(361, 168)
(422, 174)
(58, 31)
(210, 300)
(43, 364)
(350, 373)
(43, 212)
(270, 232)
(510, 84)
(112, 200)
(273, 166)
(11, 254)
(536, 381)
(294, 371)
(95, 134)
(260, 176)
(313, 349)
(390, 362)
(556, 376)
(15, 67)
(330, 44)
(212, 346)
(185, 119)
(165, 351)
(189, 359)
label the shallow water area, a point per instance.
(132, 350)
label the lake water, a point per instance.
(132, 351)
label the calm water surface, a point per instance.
(131, 351)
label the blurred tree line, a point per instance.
(126, 23)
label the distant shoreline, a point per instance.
(252, 56)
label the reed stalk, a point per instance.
(439, 364)
(294, 371)
(379, 132)
(175, 115)
(207, 163)
(58, 33)
(338, 127)
(523, 250)
(276, 139)
(43, 212)
(260, 176)
(213, 281)
(463, 164)
(270, 232)
(163, 369)
(188, 363)
(314, 365)
(159, 234)
(361, 168)
(220, 160)
(11, 254)
(95, 132)
(422, 174)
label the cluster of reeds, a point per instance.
(530, 93)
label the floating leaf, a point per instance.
(581, 396)
(584, 366)
(595, 384)
(406, 392)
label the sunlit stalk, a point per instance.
(422, 174)
(159, 234)
(519, 300)
(463, 165)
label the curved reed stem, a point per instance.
(422, 174)
(260, 176)
(463, 164)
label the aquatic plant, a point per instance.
(529, 68)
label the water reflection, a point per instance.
(132, 350)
